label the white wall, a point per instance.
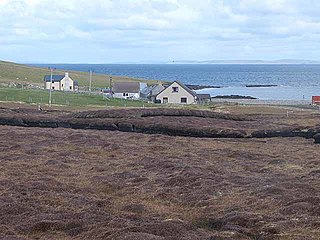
(66, 83)
(130, 95)
(54, 85)
(175, 97)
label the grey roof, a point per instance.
(202, 96)
(55, 78)
(182, 85)
(156, 89)
(145, 91)
(75, 83)
(129, 87)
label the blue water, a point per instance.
(295, 82)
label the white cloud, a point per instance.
(163, 29)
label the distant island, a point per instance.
(280, 61)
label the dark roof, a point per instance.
(129, 87)
(75, 83)
(202, 96)
(55, 78)
(182, 85)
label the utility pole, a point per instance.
(51, 72)
(90, 80)
(110, 86)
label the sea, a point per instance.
(293, 81)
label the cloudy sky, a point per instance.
(105, 31)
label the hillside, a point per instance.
(19, 73)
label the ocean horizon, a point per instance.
(293, 81)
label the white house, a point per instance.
(60, 82)
(177, 93)
(127, 90)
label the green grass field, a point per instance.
(23, 75)
(31, 96)
(19, 73)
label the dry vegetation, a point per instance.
(63, 183)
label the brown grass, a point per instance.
(72, 184)
(90, 184)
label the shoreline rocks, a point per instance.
(233, 97)
(261, 85)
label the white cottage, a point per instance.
(60, 82)
(177, 93)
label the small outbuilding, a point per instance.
(203, 98)
(316, 100)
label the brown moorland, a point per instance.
(64, 183)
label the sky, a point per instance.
(152, 31)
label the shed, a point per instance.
(316, 100)
(203, 98)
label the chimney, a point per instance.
(66, 74)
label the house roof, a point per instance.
(55, 78)
(182, 85)
(155, 89)
(129, 87)
(203, 96)
(146, 90)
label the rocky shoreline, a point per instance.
(261, 85)
(233, 97)
(200, 87)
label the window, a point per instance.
(175, 89)
(52, 87)
(62, 84)
(70, 87)
(125, 94)
(183, 100)
(165, 100)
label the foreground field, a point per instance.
(62, 183)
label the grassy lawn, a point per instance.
(32, 96)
